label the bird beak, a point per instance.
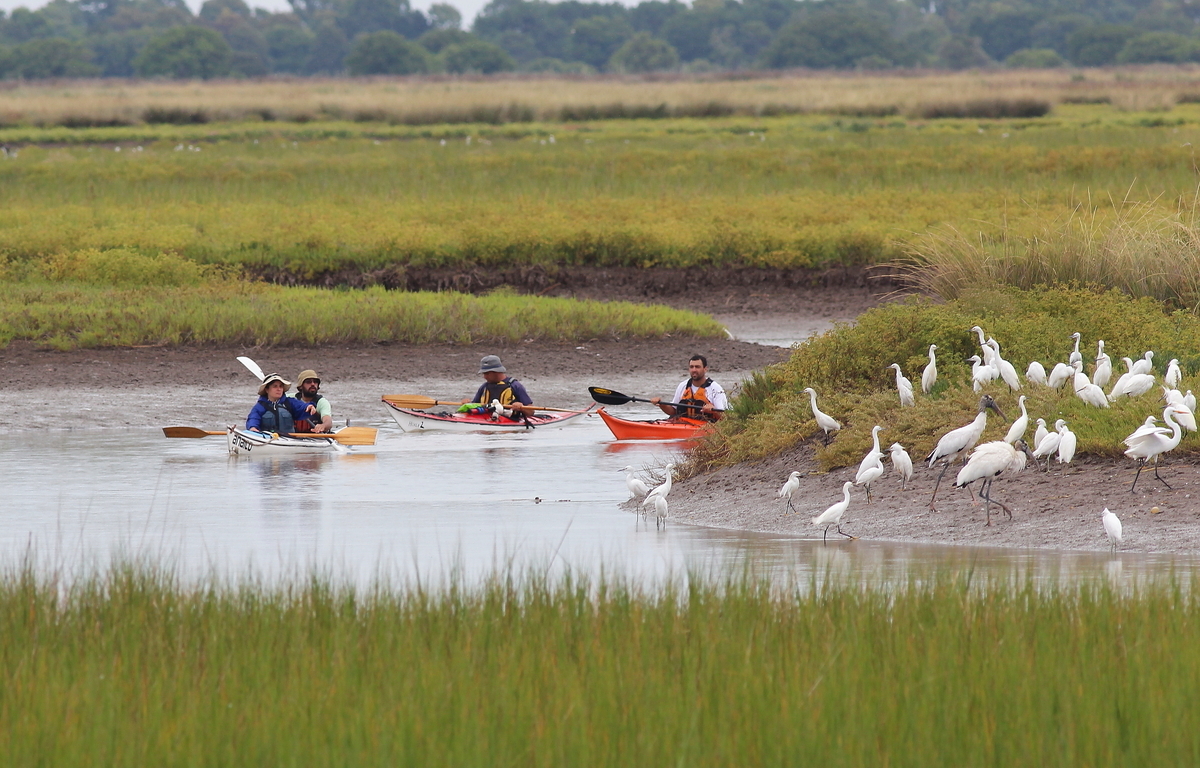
(999, 412)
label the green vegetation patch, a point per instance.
(848, 369)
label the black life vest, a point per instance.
(277, 417)
(306, 425)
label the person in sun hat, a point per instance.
(497, 386)
(275, 411)
(307, 384)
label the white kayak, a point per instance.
(245, 442)
(419, 421)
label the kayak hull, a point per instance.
(626, 429)
(244, 442)
(411, 420)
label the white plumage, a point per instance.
(1066, 444)
(1112, 528)
(833, 516)
(637, 488)
(1040, 432)
(824, 421)
(902, 464)
(1103, 372)
(986, 463)
(1151, 442)
(903, 386)
(1036, 373)
(1173, 375)
(660, 491)
(981, 373)
(1059, 375)
(1006, 370)
(871, 467)
(955, 443)
(1085, 390)
(1190, 401)
(1145, 365)
(1017, 430)
(1048, 445)
(929, 375)
(660, 511)
(789, 488)
(1075, 357)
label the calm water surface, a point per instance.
(415, 504)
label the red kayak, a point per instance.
(659, 429)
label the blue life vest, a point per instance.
(277, 418)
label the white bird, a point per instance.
(1190, 401)
(824, 421)
(637, 488)
(986, 464)
(1175, 397)
(660, 491)
(1119, 388)
(1075, 357)
(1112, 528)
(987, 351)
(903, 386)
(1103, 372)
(1085, 390)
(833, 515)
(1017, 430)
(660, 511)
(1049, 444)
(902, 463)
(1146, 444)
(1173, 374)
(929, 375)
(1036, 373)
(1059, 375)
(1066, 445)
(981, 373)
(1145, 365)
(1040, 432)
(1132, 385)
(955, 443)
(871, 467)
(1006, 370)
(790, 487)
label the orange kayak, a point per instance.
(660, 429)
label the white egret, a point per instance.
(833, 515)
(1112, 528)
(1040, 432)
(1173, 374)
(929, 375)
(1017, 430)
(824, 421)
(1147, 444)
(1175, 397)
(1103, 372)
(1145, 365)
(661, 490)
(986, 464)
(1075, 357)
(1006, 370)
(955, 443)
(1132, 385)
(902, 464)
(903, 386)
(637, 488)
(1048, 445)
(1066, 445)
(1085, 390)
(987, 351)
(1059, 375)
(871, 467)
(790, 487)
(660, 511)
(981, 373)
(1190, 401)
(1036, 373)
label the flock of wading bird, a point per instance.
(989, 461)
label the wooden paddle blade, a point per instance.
(415, 402)
(608, 396)
(347, 436)
(189, 432)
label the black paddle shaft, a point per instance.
(610, 397)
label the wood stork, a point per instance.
(1040, 432)
(1150, 443)
(1006, 370)
(1112, 528)
(1066, 445)
(1085, 390)
(824, 421)
(1049, 444)
(833, 515)
(1017, 430)
(1145, 365)
(1173, 374)
(987, 462)
(957, 442)
(929, 375)
(637, 488)
(789, 488)
(1103, 372)
(1036, 373)
(902, 464)
(903, 386)
(1075, 357)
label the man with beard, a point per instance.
(705, 397)
(306, 391)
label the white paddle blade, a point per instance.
(252, 367)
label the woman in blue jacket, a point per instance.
(275, 413)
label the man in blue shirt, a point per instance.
(498, 386)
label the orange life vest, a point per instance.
(696, 396)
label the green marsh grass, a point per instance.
(847, 368)
(132, 667)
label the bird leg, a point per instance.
(848, 536)
(1139, 474)
(825, 536)
(991, 501)
(868, 495)
(1164, 482)
(789, 506)
(938, 485)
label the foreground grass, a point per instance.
(132, 668)
(847, 368)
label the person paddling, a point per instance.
(274, 412)
(705, 396)
(306, 391)
(498, 386)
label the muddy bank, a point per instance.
(1059, 510)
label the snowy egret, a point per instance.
(981, 373)
(1066, 445)
(871, 467)
(1145, 365)
(1049, 444)
(1085, 390)
(929, 375)
(1017, 430)
(833, 515)
(790, 487)
(637, 488)
(1173, 374)
(987, 462)
(1190, 401)
(902, 463)
(1040, 432)
(1006, 370)
(660, 511)
(1112, 528)
(824, 421)
(1147, 444)
(955, 443)
(1132, 384)
(1059, 375)
(661, 490)
(983, 345)
(903, 386)
(1036, 373)
(1075, 357)
(1103, 372)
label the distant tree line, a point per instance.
(162, 38)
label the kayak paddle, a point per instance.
(347, 436)
(421, 402)
(252, 367)
(610, 397)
